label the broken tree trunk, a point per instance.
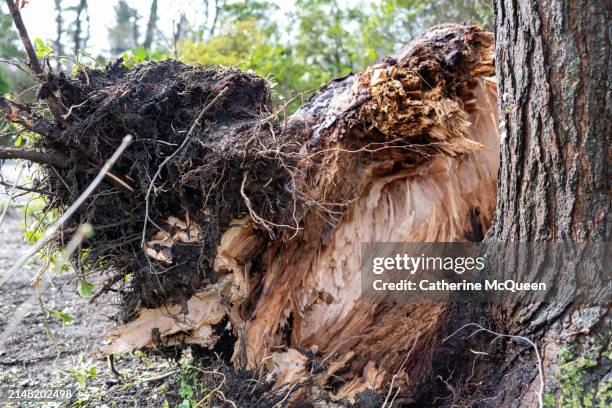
(406, 151)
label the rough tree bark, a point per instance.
(553, 73)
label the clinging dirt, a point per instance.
(204, 183)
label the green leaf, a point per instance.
(85, 289)
(18, 141)
(42, 49)
(63, 316)
(138, 54)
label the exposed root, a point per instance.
(266, 216)
(498, 336)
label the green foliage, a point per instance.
(9, 44)
(81, 371)
(191, 387)
(139, 55)
(324, 38)
(573, 377)
(245, 45)
(64, 317)
(5, 85)
(9, 48)
(37, 220)
(144, 358)
(42, 49)
(85, 289)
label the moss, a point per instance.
(576, 369)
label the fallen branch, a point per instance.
(50, 232)
(158, 377)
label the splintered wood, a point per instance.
(410, 147)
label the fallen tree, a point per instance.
(219, 211)
(232, 228)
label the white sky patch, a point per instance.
(39, 18)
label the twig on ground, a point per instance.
(52, 230)
(186, 141)
(479, 329)
(158, 377)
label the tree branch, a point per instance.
(53, 159)
(13, 113)
(35, 66)
(24, 188)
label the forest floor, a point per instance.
(34, 357)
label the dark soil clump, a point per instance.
(235, 152)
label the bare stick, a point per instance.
(10, 194)
(158, 377)
(50, 232)
(34, 63)
(479, 328)
(192, 130)
(53, 159)
(26, 189)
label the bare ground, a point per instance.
(33, 359)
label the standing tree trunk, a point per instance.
(151, 25)
(58, 46)
(553, 66)
(77, 35)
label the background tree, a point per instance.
(125, 34)
(79, 29)
(151, 26)
(8, 50)
(58, 44)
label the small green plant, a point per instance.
(143, 357)
(42, 49)
(85, 289)
(81, 371)
(64, 317)
(191, 387)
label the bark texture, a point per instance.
(553, 72)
